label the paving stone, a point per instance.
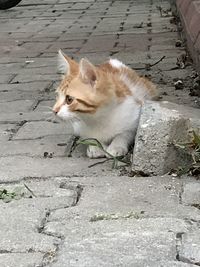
(104, 248)
(10, 96)
(41, 62)
(35, 130)
(44, 70)
(73, 36)
(94, 242)
(65, 45)
(99, 44)
(48, 146)
(113, 195)
(11, 68)
(22, 259)
(33, 86)
(39, 46)
(24, 242)
(153, 151)
(27, 215)
(45, 105)
(35, 77)
(6, 130)
(5, 78)
(22, 117)
(16, 106)
(16, 168)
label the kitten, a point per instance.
(102, 102)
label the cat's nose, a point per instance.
(55, 110)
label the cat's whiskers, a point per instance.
(48, 112)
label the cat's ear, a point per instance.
(66, 65)
(87, 72)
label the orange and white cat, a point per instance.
(102, 102)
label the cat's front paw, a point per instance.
(94, 152)
(117, 151)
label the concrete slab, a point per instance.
(154, 152)
(39, 129)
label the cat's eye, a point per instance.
(69, 99)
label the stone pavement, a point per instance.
(69, 214)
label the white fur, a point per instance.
(64, 113)
(116, 63)
(63, 65)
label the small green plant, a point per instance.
(7, 196)
(17, 193)
(115, 216)
(193, 149)
(117, 160)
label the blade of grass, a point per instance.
(95, 142)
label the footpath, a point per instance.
(60, 211)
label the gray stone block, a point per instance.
(36, 77)
(116, 248)
(39, 129)
(15, 168)
(55, 146)
(20, 259)
(5, 78)
(16, 106)
(162, 124)
(121, 195)
(6, 131)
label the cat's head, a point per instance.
(83, 90)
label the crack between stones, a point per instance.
(178, 244)
(50, 256)
(45, 178)
(181, 194)
(18, 126)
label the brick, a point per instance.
(22, 259)
(192, 20)
(53, 147)
(11, 68)
(5, 78)
(16, 106)
(99, 44)
(65, 45)
(19, 167)
(33, 86)
(35, 130)
(6, 131)
(35, 77)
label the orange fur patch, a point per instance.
(108, 86)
